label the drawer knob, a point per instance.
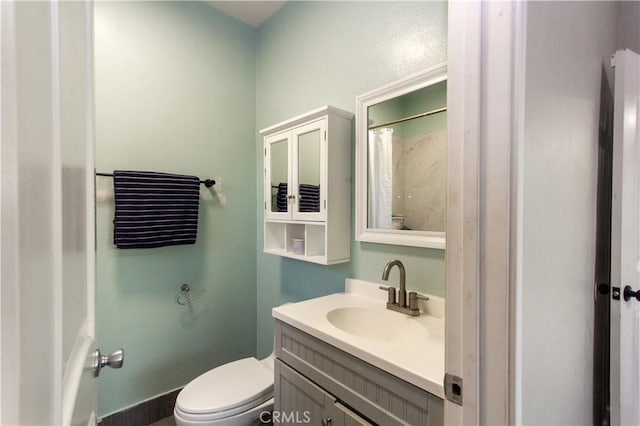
(326, 422)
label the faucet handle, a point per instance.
(391, 296)
(413, 299)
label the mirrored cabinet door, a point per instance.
(277, 195)
(309, 200)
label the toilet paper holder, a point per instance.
(184, 298)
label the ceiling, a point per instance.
(253, 13)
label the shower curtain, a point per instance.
(380, 178)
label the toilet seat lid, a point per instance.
(226, 387)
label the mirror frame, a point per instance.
(431, 239)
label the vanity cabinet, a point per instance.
(327, 382)
(307, 186)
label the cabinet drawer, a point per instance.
(380, 396)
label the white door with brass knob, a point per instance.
(48, 363)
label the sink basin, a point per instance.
(358, 323)
(377, 324)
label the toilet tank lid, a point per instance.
(227, 387)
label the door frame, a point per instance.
(486, 58)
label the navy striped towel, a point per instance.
(281, 197)
(155, 209)
(309, 198)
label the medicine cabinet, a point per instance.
(307, 186)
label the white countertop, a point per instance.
(418, 360)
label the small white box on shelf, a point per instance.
(297, 245)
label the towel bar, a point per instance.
(207, 182)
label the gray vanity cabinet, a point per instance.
(330, 383)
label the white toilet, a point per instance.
(236, 393)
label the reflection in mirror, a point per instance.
(279, 152)
(407, 158)
(401, 161)
(309, 171)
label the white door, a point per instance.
(47, 194)
(625, 241)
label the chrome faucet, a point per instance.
(402, 291)
(401, 305)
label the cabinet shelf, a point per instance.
(279, 235)
(313, 259)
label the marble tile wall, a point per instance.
(420, 180)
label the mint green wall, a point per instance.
(175, 92)
(316, 53)
(183, 88)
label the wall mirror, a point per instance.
(401, 161)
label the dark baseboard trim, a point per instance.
(145, 413)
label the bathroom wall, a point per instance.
(629, 26)
(175, 92)
(568, 45)
(316, 53)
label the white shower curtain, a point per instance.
(380, 177)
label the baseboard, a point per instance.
(144, 413)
